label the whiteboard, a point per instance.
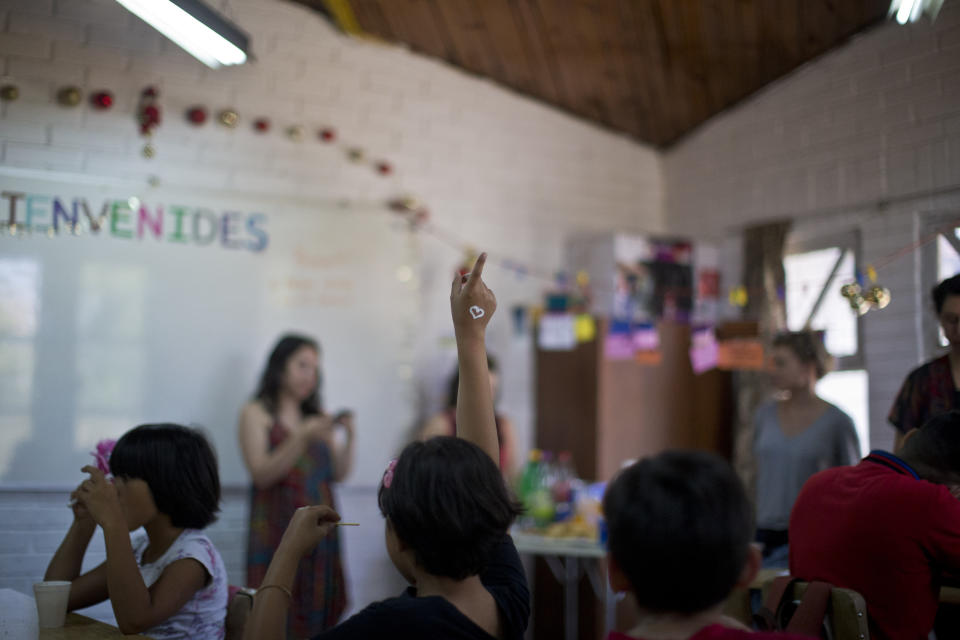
(137, 320)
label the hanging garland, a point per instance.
(863, 294)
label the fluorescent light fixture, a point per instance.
(198, 29)
(910, 10)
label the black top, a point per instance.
(408, 616)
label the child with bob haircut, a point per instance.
(680, 531)
(168, 582)
(447, 513)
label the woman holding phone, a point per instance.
(291, 449)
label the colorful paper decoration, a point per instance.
(557, 332)
(704, 351)
(618, 346)
(645, 337)
(585, 328)
(741, 354)
(648, 358)
(738, 297)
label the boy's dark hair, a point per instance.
(269, 389)
(808, 347)
(179, 466)
(447, 501)
(949, 287)
(934, 450)
(454, 386)
(680, 527)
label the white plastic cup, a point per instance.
(52, 598)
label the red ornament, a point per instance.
(197, 115)
(384, 168)
(327, 135)
(102, 100)
(148, 116)
(261, 125)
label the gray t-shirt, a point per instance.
(785, 463)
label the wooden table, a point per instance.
(18, 621)
(78, 627)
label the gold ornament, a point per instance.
(850, 291)
(9, 92)
(229, 118)
(356, 154)
(149, 150)
(69, 96)
(878, 296)
(296, 133)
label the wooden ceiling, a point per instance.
(654, 69)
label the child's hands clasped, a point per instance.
(99, 498)
(471, 302)
(308, 526)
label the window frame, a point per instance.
(847, 241)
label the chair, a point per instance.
(239, 605)
(846, 617)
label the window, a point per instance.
(941, 260)
(815, 271)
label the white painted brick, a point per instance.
(103, 57)
(96, 138)
(93, 12)
(26, 45)
(38, 7)
(32, 132)
(138, 38)
(60, 72)
(42, 157)
(44, 112)
(54, 28)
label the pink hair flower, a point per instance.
(388, 474)
(102, 454)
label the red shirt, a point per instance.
(718, 632)
(878, 529)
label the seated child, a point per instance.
(680, 530)
(168, 582)
(447, 513)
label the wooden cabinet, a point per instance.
(607, 412)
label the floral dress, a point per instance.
(319, 590)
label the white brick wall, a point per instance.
(510, 174)
(866, 137)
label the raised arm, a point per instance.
(472, 305)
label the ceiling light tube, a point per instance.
(198, 29)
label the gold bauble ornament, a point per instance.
(69, 96)
(229, 118)
(9, 92)
(296, 133)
